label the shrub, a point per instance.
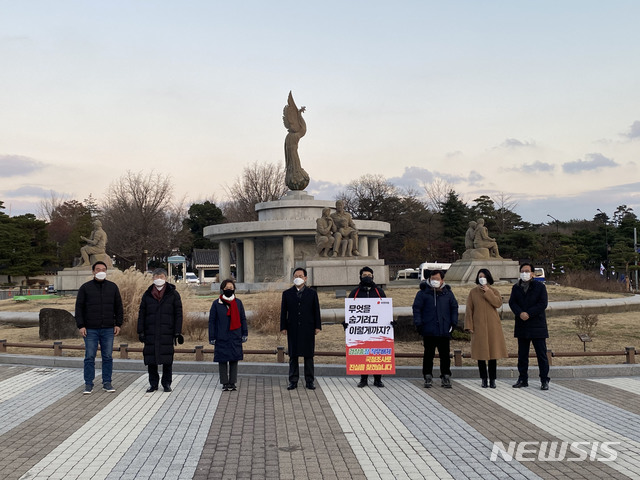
(586, 323)
(589, 280)
(266, 316)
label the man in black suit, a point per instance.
(300, 322)
(528, 302)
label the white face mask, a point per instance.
(298, 282)
(159, 283)
(101, 275)
(482, 281)
(525, 276)
(435, 283)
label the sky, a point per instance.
(538, 101)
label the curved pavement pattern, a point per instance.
(48, 429)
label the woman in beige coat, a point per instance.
(482, 320)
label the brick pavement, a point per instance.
(48, 429)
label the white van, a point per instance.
(408, 273)
(424, 267)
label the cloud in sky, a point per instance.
(634, 131)
(29, 191)
(535, 167)
(18, 165)
(515, 143)
(593, 161)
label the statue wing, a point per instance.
(290, 116)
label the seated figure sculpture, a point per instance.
(95, 249)
(483, 240)
(346, 235)
(325, 228)
(470, 235)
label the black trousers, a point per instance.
(376, 378)
(154, 378)
(294, 369)
(430, 345)
(482, 368)
(228, 372)
(540, 346)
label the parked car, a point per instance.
(51, 289)
(192, 278)
(538, 275)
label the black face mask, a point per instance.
(228, 292)
(366, 281)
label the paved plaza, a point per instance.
(48, 429)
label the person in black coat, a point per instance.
(435, 314)
(367, 289)
(528, 302)
(300, 322)
(228, 331)
(159, 328)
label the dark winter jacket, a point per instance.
(300, 317)
(435, 312)
(159, 322)
(534, 302)
(372, 291)
(99, 305)
(228, 342)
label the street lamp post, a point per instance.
(606, 240)
(556, 220)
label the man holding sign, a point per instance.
(369, 331)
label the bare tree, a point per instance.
(367, 197)
(437, 194)
(48, 205)
(259, 182)
(504, 207)
(140, 217)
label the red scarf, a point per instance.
(233, 312)
(158, 294)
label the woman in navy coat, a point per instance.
(227, 331)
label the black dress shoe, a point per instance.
(520, 384)
(545, 385)
(167, 389)
(292, 386)
(484, 383)
(378, 383)
(151, 389)
(311, 386)
(362, 383)
(492, 383)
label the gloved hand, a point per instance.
(212, 342)
(394, 324)
(141, 338)
(244, 338)
(344, 325)
(178, 339)
(419, 329)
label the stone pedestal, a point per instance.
(69, 280)
(343, 272)
(465, 271)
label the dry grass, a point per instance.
(615, 331)
(266, 315)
